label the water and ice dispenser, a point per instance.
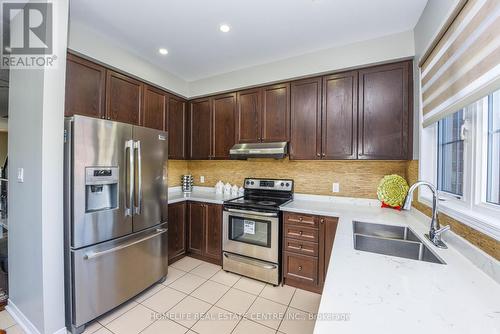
(101, 188)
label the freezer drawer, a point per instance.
(108, 274)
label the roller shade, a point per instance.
(464, 64)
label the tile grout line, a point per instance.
(212, 305)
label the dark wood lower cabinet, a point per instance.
(308, 242)
(176, 231)
(205, 231)
(196, 221)
(212, 245)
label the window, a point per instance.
(493, 183)
(451, 154)
(461, 155)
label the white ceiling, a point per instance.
(261, 30)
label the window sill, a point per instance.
(482, 222)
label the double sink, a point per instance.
(392, 240)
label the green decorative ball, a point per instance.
(392, 190)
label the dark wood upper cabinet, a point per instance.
(196, 223)
(340, 116)
(305, 128)
(224, 125)
(85, 87)
(153, 112)
(176, 230)
(263, 114)
(213, 232)
(123, 98)
(384, 112)
(248, 115)
(200, 129)
(176, 125)
(275, 115)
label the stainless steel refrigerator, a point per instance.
(115, 215)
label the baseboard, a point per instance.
(21, 320)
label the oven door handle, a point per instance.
(252, 262)
(263, 214)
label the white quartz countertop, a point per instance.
(386, 294)
(199, 194)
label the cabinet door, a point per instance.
(328, 227)
(176, 230)
(275, 116)
(305, 129)
(340, 116)
(200, 119)
(248, 115)
(213, 233)
(153, 114)
(123, 98)
(196, 223)
(176, 122)
(384, 108)
(224, 125)
(85, 84)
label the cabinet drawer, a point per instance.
(301, 247)
(303, 220)
(304, 268)
(301, 233)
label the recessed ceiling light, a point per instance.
(224, 28)
(163, 51)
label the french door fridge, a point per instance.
(115, 212)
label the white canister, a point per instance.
(234, 190)
(227, 189)
(219, 187)
(241, 191)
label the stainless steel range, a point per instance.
(252, 229)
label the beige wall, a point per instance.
(356, 178)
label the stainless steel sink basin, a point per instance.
(385, 231)
(391, 240)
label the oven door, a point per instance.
(253, 234)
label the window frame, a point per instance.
(472, 208)
(439, 147)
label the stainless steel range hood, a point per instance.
(276, 150)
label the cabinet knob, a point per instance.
(324, 154)
(322, 220)
(300, 246)
(318, 154)
(300, 232)
(300, 268)
(301, 219)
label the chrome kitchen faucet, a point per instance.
(435, 230)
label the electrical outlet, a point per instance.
(202, 179)
(335, 187)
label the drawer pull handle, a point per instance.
(300, 268)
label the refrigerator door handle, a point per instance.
(129, 177)
(137, 147)
(93, 255)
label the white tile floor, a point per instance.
(199, 297)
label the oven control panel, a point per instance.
(269, 184)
